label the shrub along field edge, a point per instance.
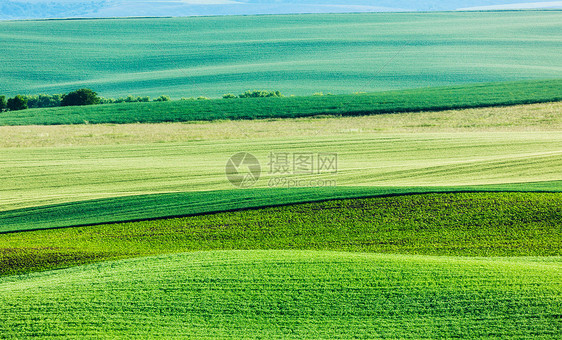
(421, 99)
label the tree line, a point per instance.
(76, 98)
(86, 96)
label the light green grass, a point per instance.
(288, 294)
(297, 54)
(461, 224)
(425, 99)
(51, 175)
(516, 119)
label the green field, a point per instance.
(178, 168)
(296, 54)
(156, 206)
(425, 99)
(461, 224)
(480, 264)
(516, 119)
(51, 175)
(443, 219)
(288, 294)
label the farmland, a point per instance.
(181, 170)
(41, 176)
(457, 198)
(461, 224)
(155, 206)
(440, 217)
(296, 54)
(515, 118)
(426, 99)
(289, 294)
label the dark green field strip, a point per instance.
(288, 294)
(460, 224)
(146, 207)
(423, 99)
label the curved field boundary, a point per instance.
(288, 294)
(414, 100)
(168, 205)
(454, 224)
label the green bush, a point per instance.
(17, 103)
(80, 97)
(162, 98)
(107, 100)
(260, 94)
(229, 96)
(2, 103)
(44, 100)
(128, 99)
(133, 99)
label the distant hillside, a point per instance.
(295, 54)
(29, 9)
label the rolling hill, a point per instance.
(296, 54)
(429, 208)
(45, 165)
(288, 294)
(447, 223)
(157, 206)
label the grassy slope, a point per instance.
(462, 224)
(52, 175)
(425, 99)
(166, 164)
(144, 207)
(297, 54)
(292, 293)
(288, 294)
